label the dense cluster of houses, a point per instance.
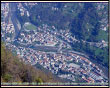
(6, 24)
(65, 64)
(5, 9)
(68, 62)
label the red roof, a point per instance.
(82, 58)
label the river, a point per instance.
(12, 13)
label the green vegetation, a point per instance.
(38, 80)
(48, 14)
(7, 77)
(100, 55)
(102, 35)
(86, 26)
(30, 27)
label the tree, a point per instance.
(7, 77)
(38, 80)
